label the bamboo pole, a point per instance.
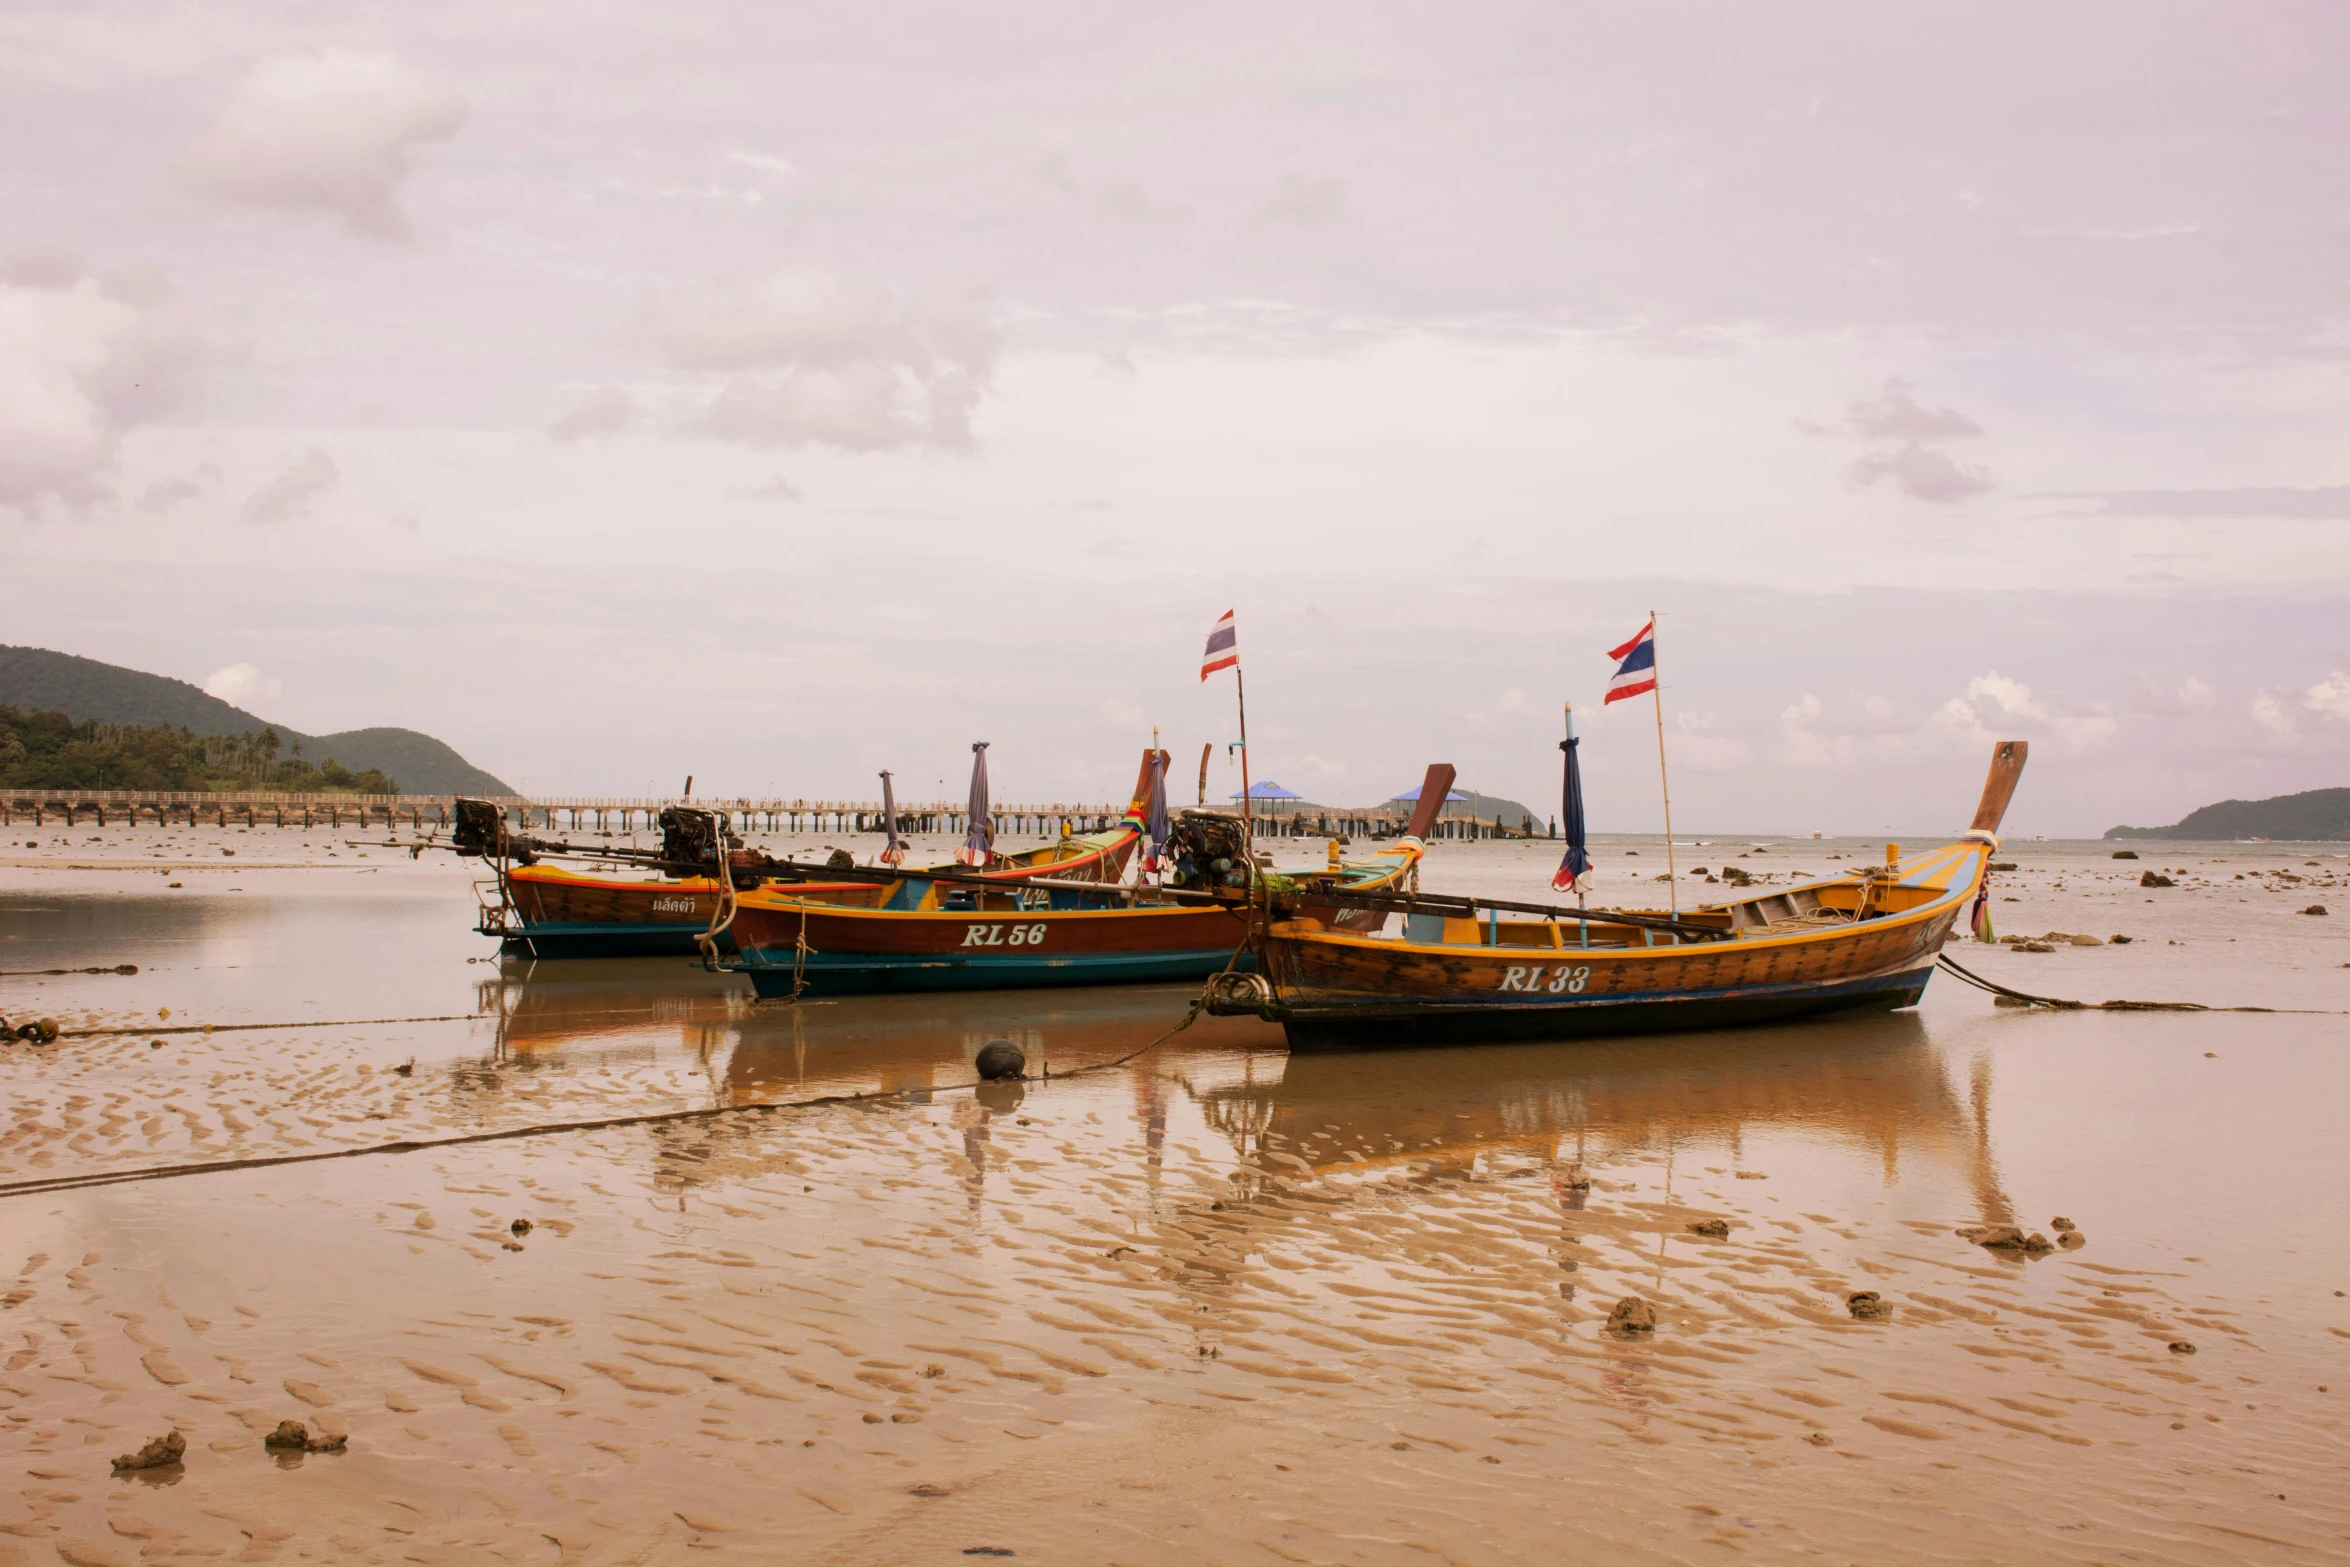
(1657, 690)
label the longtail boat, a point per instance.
(545, 910)
(1463, 973)
(937, 931)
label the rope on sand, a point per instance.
(2061, 1005)
(68, 1183)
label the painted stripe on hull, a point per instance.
(874, 974)
(607, 941)
(1371, 1026)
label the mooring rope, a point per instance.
(67, 1183)
(2062, 1005)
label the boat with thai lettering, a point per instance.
(1468, 970)
(941, 932)
(541, 909)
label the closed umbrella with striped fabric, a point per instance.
(979, 842)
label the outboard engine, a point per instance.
(691, 840)
(1209, 851)
(481, 833)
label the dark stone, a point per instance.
(520, 1226)
(1632, 1316)
(290, 1434)
(1711, 1229)
(162, 1452)
(2315, 908)
(2151, 879)
(1000, 1058)
(2180, 1346)
(2006, 1237)
(1867, 1306)
(2060, 1222)
(2125, 854)
(840, 860)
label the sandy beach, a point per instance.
(1210, 1305)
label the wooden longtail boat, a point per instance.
(1867, 939)
(942, 933)
(548, 911)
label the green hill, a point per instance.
(37, 680)
(2316, 816)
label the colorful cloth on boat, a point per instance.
(1635, 666)
(1222, 652)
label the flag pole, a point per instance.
(1248, 829)
(1582, 881)
(1672, 875)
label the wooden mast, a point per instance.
(1657, 690)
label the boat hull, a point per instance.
(1339, 1028)
(857, 952)
(1335, 991)
(564, 914)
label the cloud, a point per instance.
(1306, 203)
(816, 360)
(1122, 715)
(774, 488)
(164, 494)
(1993, 694)
(2269, 713)
(83, 359)
(1895, 415)
(330, 131)
(239, 685)
(1919, 472)
(2011, 697)
(292, 493)
(766, 163)
(2325, 502)
(2330, 696)
(604, 411)
(1118, 198)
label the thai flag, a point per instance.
(1223, 652)
(1635, 666)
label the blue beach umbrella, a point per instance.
(979, 842)
(1577, 863)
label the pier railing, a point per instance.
(612, 814)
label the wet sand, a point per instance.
(1212, 1305)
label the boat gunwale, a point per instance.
(1956, 891)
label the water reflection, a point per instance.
(1874, 1084)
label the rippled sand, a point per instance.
(1213, 1305)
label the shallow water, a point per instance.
(1211, 1304)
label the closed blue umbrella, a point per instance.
(1577, 864)
(895, 853)
(1155, 820)
(979, 842)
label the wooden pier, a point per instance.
(423, 813)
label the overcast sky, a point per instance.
(779, 393)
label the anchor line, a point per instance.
(2060, 1004)
(67, 1183)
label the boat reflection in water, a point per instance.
(1874, 1085)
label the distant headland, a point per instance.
(2314, 816)
(36, 680)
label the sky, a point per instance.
(778, 394)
